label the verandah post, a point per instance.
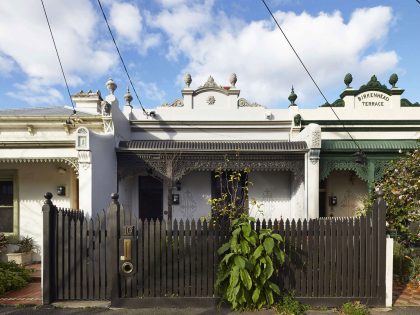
(49, 215)
(113, 238)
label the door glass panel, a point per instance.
(150, 198)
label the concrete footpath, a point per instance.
(21, 310)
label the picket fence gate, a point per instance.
(134, 263)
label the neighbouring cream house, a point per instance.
(162, 160)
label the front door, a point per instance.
(150, 198)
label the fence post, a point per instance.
(49, 213)
(114, 235)
(381, 208)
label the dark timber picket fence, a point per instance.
(329, 260)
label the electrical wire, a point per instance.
(307, 71)
(122, 60)
(58, 56)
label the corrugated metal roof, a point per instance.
(40, 111)
(337, 145)
(224, 146)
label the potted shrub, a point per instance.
(23, 255)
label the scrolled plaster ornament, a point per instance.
(242, 102)
(176, 103)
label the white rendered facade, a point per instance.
(298, 158)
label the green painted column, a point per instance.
(371, 174)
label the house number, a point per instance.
(128, 230)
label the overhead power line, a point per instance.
(307, 71)
(58, 56)
(121, 58)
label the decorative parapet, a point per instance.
(242, 102)
(374, 85)
(210, 83)
(337, 103)
(406, 103)
(177, 103)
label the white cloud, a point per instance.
(374, 63)
(127, 21)
(183, 22)
(25, 38)
(6, 65)
(34, 92)
(258, 53)
(152, 91)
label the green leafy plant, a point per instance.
(247, 264)
(354, 308)
(288, 305)
(400, 262)
(3, 241)
(25, 245)
(12, 277)
(401, 187)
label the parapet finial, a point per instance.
(111, 86)
(292, 97)
(187, 79)
(128, 98)
(233, 79)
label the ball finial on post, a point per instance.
(114, 197)
(48, 196)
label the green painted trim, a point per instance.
(13, 176)
(360, 122)
(371, 129)
(336, 103)
(349, 145)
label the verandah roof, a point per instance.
(212, 146)
(369, 145)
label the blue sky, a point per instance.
(161, 40)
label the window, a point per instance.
(8, 203)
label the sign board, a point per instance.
(372, 99)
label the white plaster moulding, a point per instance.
(72, 162)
